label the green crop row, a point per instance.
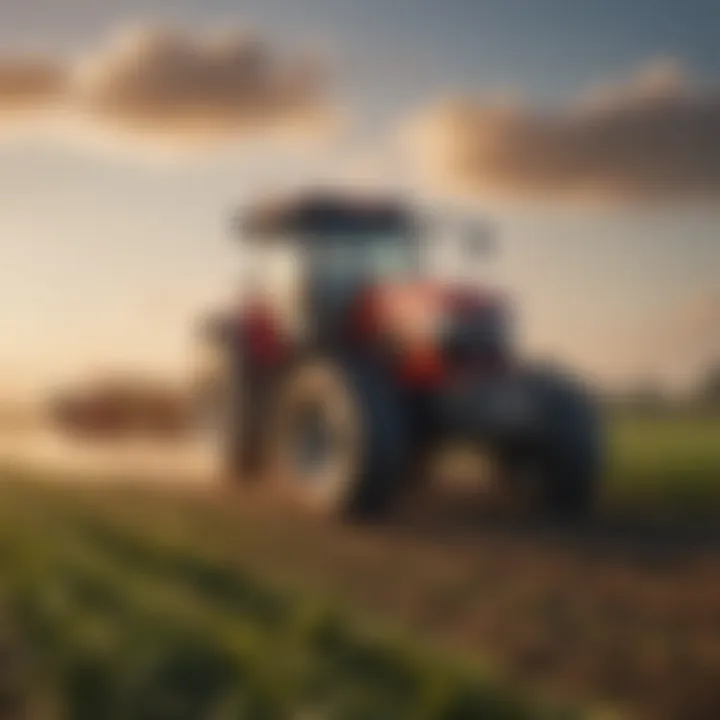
(103, 621)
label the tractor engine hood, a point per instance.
(464, 324)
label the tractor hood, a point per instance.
(458, 320)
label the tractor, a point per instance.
(351, 359)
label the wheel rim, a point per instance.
(317, 438)
(314, 441)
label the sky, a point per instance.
(588, 133)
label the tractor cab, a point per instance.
(354, 354)
(329, 262)
(315, 255)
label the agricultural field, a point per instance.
(129, 599)
(115, 606)
(669, 463)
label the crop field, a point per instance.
(665, 463)
(129, 599)
(113, 606)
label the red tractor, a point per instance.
(348, 370)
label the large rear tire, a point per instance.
(243, 418)
(337, 440)
(241, 438)
(232, 403)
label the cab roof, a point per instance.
(321, 214)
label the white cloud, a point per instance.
(164, 86)
(655, 136)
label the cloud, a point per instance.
(29, 83)
(159, 82)
(656, 136)
(163, 85)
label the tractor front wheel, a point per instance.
(336, 438)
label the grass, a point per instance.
(666, 463)
(106, 617)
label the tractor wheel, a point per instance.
(565, 467)
(337, 442)
(241, 432)
(232, 401)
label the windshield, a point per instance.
(389, 257)
(380, 257)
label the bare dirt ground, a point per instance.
(623, 611)
(616, 612)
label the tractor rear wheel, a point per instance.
(242, 432)
(337, 440)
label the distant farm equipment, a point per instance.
(122, 408)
